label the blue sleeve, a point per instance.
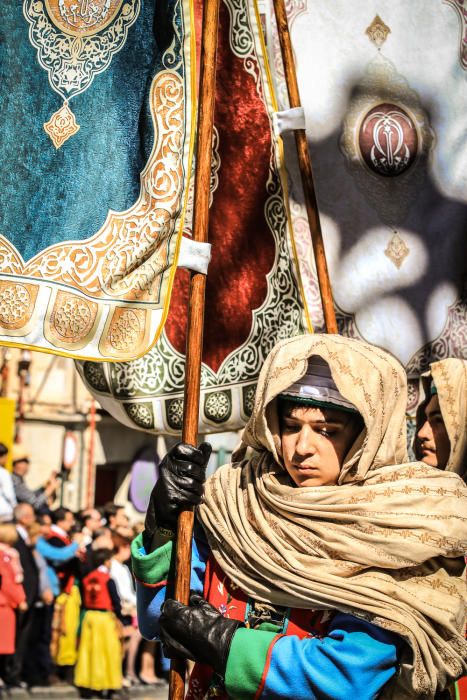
(149, 597)
(355, 660)
(56, 555)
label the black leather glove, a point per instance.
(180, 485)
(198, 632)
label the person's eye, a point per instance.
(291, 427)
(327, 432)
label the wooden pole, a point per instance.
(194, 344)
(305, 170)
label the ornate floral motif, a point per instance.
(61, 126)
(141, 414)
(82, 17)
(460, 7)
(241, 40)
(413, 390)
(248, 399)
(71, 319)
(377, 31)
(397, 250)
(126, 332)
(73, 61)
(174, 413)
(240, 36)
(218, 406)
(95, 376)
(69, 50)
(16, 304)
(452, 341)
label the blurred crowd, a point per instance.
(67, 592)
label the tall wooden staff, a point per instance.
(194, 343)
(305, 170)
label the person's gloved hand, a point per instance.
(180, 485)
(198, 632)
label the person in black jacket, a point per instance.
(24, 517)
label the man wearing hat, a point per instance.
(39, 498)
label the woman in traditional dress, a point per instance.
(331, 567)
(99, 664)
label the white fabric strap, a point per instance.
(194, 256)
(289, 120)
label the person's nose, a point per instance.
(306, 443)
(425, 432)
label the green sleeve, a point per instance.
(246, 662)
(150, 568)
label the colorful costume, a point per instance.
(99, 664)
(11, 595)
(68, 602)
(368, 574)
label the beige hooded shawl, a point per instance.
(385, 544)
(450, 378)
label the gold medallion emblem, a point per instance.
(75, 40)
(82, 17)
(61, 126)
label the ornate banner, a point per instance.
(96, 146)
(385, 100)
(254, 295)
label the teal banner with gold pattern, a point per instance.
(96, 147)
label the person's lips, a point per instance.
(305, 468)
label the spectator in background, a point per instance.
(121, 575)
(91, 521)
(99, 665)
(24, 518)
(102, 539)
(67, 605)
(12, 595)
(40, 498)
(7, 491)
(56, 555)
(116, 516)
(38, 667)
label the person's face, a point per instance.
(94, 520)
(433, 438)
(27, 516)
(45, 525)
(315, 442)
(21, 468)
(120, 519)
(68, 522)
(3, 459)
(124, 552)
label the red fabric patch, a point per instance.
(243, 247)
(462, 688)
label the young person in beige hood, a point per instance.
(441, 438)
(331, 566)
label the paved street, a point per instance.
(64, 693)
